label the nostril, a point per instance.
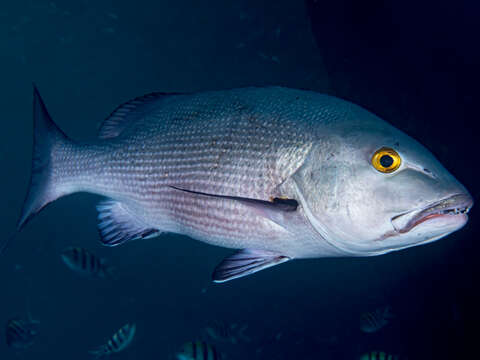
(428, 172)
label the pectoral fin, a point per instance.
(274, 210)
(245, 262)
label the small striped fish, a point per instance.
(84, 262)
(198, 350)
(378, 355)
(375, 320)
(118, 342)
(20, 333)
(221, 331)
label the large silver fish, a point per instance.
(279, 173)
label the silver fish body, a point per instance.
(280, 173)
(216, 143)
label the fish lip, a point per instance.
(454, 205)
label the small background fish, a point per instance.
(375, 320)
(20, 333)
(85, 262)
(380, 355)
(219, 330)
(198, 350)
(119, 341)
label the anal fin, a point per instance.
(245, 262)
(117, 225)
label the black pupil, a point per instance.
(386, 161)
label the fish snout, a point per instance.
(452, 207)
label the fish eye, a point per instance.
(386, 160)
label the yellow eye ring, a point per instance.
(386, 160)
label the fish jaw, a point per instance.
(437, 219)
(451, 210)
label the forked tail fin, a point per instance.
(46, 136)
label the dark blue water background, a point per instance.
(414, 65)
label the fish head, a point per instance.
(367, 188)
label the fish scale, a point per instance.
(154, 153)
(278, 173)
(245, 152)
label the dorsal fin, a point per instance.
(130, 111)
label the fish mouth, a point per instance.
(454, 206)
